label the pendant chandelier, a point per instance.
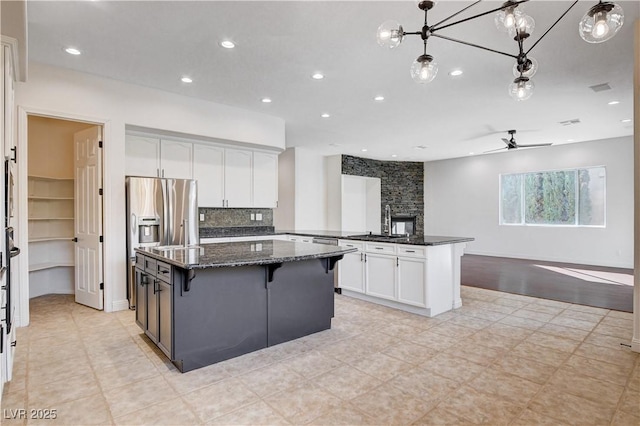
(599, 24)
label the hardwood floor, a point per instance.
(602, 287)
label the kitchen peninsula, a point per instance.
(205, 304)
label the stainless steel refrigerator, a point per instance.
(160, 212)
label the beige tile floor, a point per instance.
(500, 359)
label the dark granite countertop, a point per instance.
(427, 240)
(242, 253)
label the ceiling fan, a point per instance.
(511, 143)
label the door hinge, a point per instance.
(100, 191)
(75, 240)
(101, 286)
(101, 239)
(99, 144)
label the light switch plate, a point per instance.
(201, 217)
(253, 216)
(258, 216)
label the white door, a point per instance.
(265, 180)
(88, 217)
(208, 170)
(237, 177)
(176, 159)
(142, 156)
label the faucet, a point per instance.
(387, 220)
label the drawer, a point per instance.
(150, 265)
(163, 272)
(412, 251)
(139, 261)
(380, 248)
(351, 244)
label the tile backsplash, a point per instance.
(226, 222)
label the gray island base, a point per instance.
(233, 298)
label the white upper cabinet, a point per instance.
(153, 157)
(265, 180)
(142, 156)
(208, 170)
(176, 159)
(237, 172)
(227, 176)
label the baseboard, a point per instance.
(120, 305)
(547, 259)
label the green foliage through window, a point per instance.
(563, 197)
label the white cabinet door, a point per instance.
(208, 170)
(412, 276)
(142, 156)
(351, 268)
(176, 159)
(265, 180)
(381, 275)
(237, 177)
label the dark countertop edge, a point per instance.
(255, 262)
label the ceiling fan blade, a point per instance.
(506, 141)
(494, 150)
(535, 144)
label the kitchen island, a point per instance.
(202, 305)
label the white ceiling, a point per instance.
(280, 44)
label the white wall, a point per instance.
(59, 92)
(461, 199)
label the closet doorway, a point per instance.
(64, 176)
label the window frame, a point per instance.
(576, 223)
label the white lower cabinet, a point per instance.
(351, 268)
(412, 276)
(381, 275)
(392, 272)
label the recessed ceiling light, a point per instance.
(266, 100)
(227, 44)
(626, 120)
(379, 98)
(472, 153)
(317, 76)
(325, 115)
(613, 103)
(72, 51)
(455, 73)
(393, 155)
(186, 79)
(421, 147)
(364, 150)
(570, 140)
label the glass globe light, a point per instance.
(506, 19)
(601, 22)
(527, 69)
(521, 89)
(524, 25)
(424, 69)
(390, 34)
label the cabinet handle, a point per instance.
(397, 262)
(365, 257)
(158, 172)
(360, 257)
(409, 251)
(162, 172)
(379, 248)
(155, 286)
(163, 271)
(349, 245)
(15, 154)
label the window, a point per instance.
(574, 197)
